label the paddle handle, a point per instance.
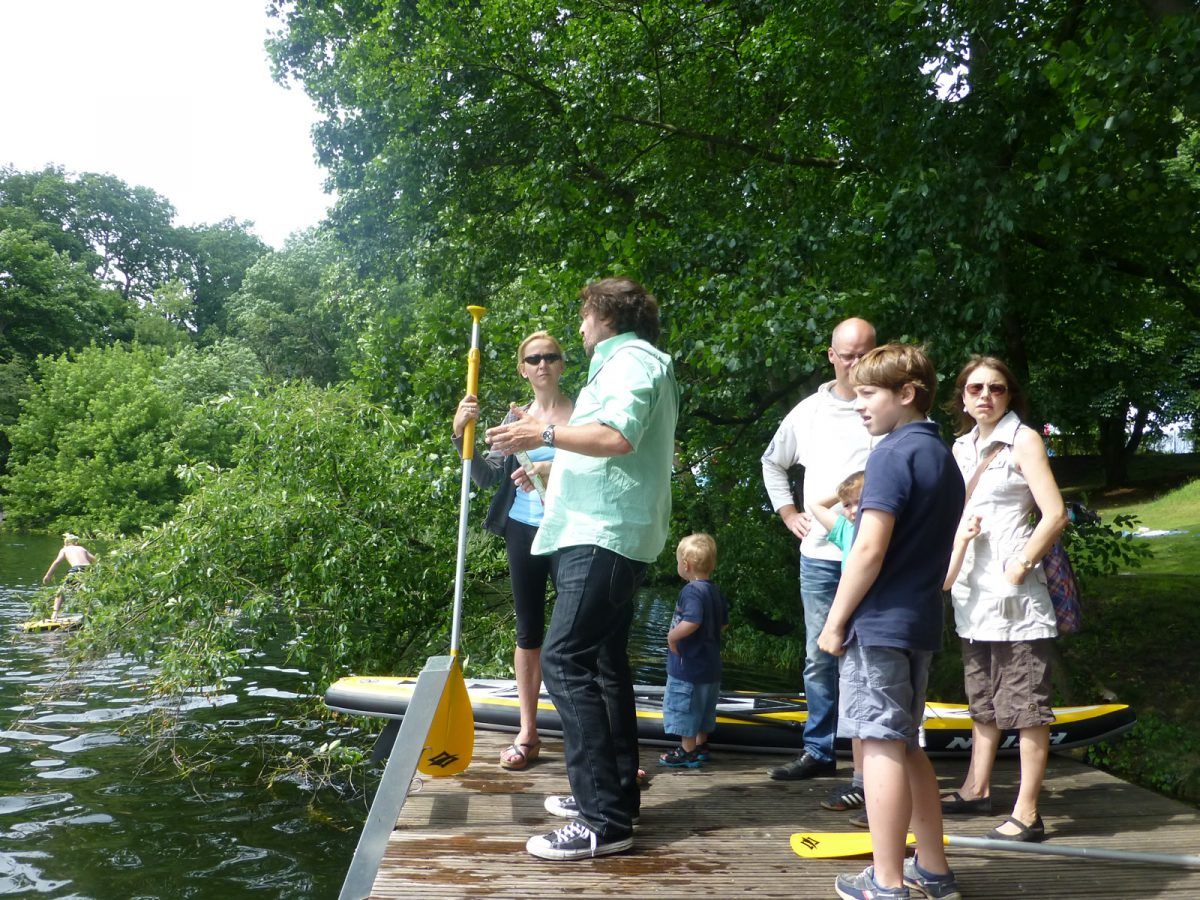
(472, 379)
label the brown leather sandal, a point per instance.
(515, 758)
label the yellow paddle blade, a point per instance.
(834, 844)
(451, 739)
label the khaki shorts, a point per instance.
(1008, 682)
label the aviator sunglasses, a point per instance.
(996, 390)
(535, 359)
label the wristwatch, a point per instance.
(548, 436)
(1025, 564)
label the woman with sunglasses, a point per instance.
(515, 515)
(1002, 610)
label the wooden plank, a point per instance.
(722, 831)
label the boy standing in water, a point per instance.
(886, 621)
(78, 557)
(694, 654)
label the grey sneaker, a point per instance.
(936, 887)
(575, 841)
(844, 798)
(863, 887)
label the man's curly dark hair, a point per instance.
(624, 304)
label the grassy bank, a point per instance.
(1140, 639)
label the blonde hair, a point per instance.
(851, 487)
(892, 366)
(699, 551)
(537, 336)
(69, 538)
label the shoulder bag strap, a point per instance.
(983, 464)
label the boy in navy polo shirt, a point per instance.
(886, 620)
(694, 654)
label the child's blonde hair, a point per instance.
(699, 551)
(850, 488)
(892, 366)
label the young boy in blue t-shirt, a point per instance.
(886, 620)
(694, 654)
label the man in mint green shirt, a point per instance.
(607, 510)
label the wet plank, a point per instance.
(722, 831)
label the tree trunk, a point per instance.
(1113, 448)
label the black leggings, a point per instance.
(529, 575)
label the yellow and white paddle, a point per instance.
(451, 740)
(841, 844)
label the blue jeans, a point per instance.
(818, 585)
(585, 664)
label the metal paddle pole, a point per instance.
(436, 735)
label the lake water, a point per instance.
(84, 814)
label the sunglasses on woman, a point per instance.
(535, 359)
(996, 390)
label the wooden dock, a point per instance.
(722, 831)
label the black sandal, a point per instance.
(1028, 834)
(956, 804)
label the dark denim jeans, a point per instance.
(585, 664)
(818, 586)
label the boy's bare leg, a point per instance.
(926, 813)
(857, 753)
(985, 741)
(689, 743)
(58, 601)
(889, 807)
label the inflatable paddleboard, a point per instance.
(62, 623)
(746, 720)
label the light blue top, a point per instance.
(527, 505)
(842, 536)
(621, 503)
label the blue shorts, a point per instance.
(690, 708)
(881, 693)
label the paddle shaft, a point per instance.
(464, 499)
(1164, 859)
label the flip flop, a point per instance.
(514, 758)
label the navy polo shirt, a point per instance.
(912, 475)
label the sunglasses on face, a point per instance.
(535, 359)
(996, 390)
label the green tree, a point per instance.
(309, 542)
(975, 174)
(104, 429)
(300, 309)
(214, 262)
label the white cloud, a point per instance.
(175, 95)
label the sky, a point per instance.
(173, 95)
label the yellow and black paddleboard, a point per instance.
(746, 720)
(62, 623)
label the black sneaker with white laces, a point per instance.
(564, 805)
(575, 840)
